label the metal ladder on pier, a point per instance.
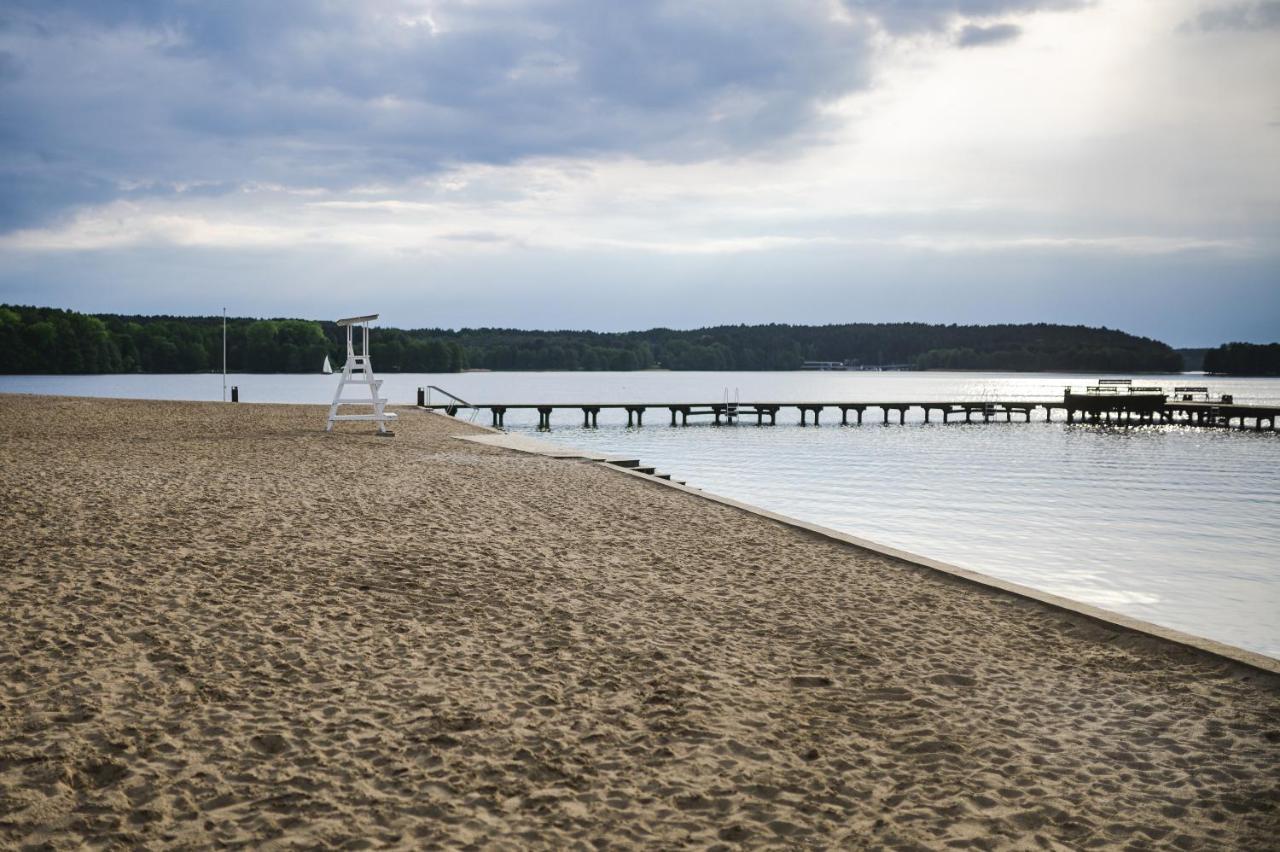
(731, 408)
(359, 371)
(453, 410)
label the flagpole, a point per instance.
(224, 354)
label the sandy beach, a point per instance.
(221, 626)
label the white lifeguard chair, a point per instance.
(359, 371)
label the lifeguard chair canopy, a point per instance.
(357, 320)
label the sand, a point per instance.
(221, 626)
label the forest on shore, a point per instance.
(1244, 359)
(51, 340)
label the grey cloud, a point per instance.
(976, 36)
(1262, 15)
(907, 16)
(32, 195)
(10, 68)
(146, 96)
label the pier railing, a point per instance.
(424, 401)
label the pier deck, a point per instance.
(1119, 409)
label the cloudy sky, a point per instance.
(626, 164)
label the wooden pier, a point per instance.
(1119, 409)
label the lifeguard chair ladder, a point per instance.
(359, 371)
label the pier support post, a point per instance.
(804, 409)
(499, 413)
(926, 414)
(885, 411)
(590, 417)
(844, 414)
(902, 416)
(544, 417)
(638, 411)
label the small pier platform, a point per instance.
(1120, 409)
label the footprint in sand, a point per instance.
(269, 743)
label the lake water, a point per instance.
(1176, 525)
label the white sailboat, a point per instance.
(328, 368)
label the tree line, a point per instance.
(49, 340)
(1244, 359)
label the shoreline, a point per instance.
(222, 625)
(1109, 618)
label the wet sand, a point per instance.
(221, 626)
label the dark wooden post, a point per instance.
(422, 396)
(235, 393)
